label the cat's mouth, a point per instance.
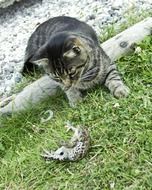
(67, 83)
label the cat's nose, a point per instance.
(67, 83)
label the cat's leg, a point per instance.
(114, 83)
(74, 96)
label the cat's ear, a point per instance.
(73, 52)
(40, 57)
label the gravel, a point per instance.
(6, 3)
(18, 21)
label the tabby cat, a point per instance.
(69, 52)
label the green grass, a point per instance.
(120, 156)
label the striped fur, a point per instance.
(70, 53)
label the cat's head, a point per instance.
(64, 58)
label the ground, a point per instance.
(120, 156)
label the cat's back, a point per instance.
(64, 24)
(56, 25)
(50, 29)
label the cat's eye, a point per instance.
(56, 78)
(76, 49)
(73, 72)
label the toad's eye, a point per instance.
(61, 153)
(76, 49)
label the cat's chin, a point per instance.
(65, 88)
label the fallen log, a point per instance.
(115, 47)
(125, 41)
(30, 95)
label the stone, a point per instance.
(6, 3)
(17, 77)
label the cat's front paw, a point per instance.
(121, 91)
(73, 103)
(74, 96)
